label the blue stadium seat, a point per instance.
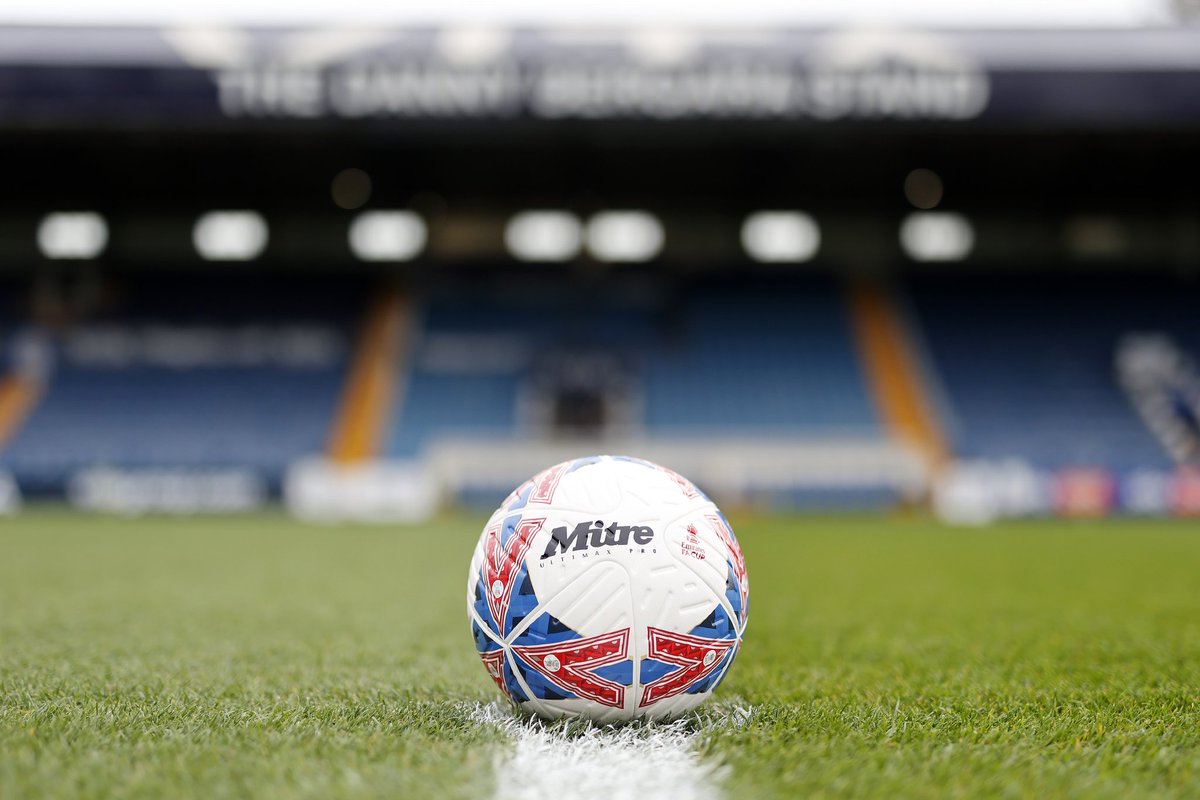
(760, 358)
(1027, 362)
(140, 415)
(744, 357)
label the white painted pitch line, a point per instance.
(555, 761)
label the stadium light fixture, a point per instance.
(72, 235)
(937, 236)
(350, 188)
(624, 236)
(1096, 236)
(230, 235)
(544, 236)
(923, 188)
(387, 235)
(781, 236)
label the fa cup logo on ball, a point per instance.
(608, 588)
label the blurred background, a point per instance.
(370, 264)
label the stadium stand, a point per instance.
(768, 356)
(259, 372)
(717, 357)
(192, 373)
(468, 360)
(1028, 362)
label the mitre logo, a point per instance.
(596, 534)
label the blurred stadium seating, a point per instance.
(182, 373)
(1028, 362)
(759, 356)
(170, 376)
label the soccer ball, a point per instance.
(608, 588)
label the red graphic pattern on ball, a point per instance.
(502, 563)
(494, 662)
(569, 664)
(739, 561)
(543, 486)
(689, 489)
(696, 657)
(545, 483)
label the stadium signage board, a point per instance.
(59, 76)
(828, 85)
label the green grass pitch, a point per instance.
(254, 656)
